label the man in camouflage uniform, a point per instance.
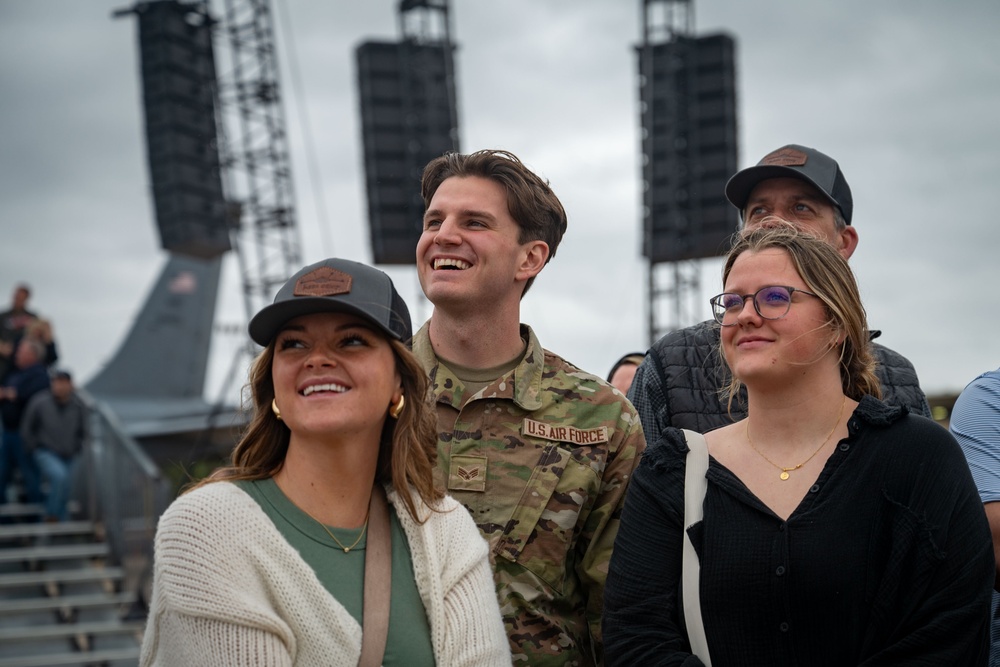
(537, 450)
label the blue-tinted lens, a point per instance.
(726, 308)
(731, 301)
(773, 302)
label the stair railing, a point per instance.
(124, 492)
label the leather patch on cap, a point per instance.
(785, 157)
(324, 281)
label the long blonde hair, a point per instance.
(828, 276)
(407, 448)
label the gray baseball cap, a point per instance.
(794, 161)
(335, 286)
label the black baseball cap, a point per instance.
(335, 286)
(794, 161)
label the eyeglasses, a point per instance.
(771, 303)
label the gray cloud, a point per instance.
(904, 93)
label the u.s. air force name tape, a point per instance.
(576, 436)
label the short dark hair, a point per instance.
(531, 203)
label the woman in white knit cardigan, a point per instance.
(264, 562)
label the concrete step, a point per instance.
(66, 630)
(21, 510)
(28, 605)
(82, 575)
(53, 552)
(73, 658)
(26, 530)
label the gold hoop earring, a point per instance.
(274, 409)
(397, 409)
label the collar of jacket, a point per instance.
(523, 385)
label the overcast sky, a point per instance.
(905, 94)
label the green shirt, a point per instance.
(343, 574)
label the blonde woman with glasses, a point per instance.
(836, 530)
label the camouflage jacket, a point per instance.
(540, 458)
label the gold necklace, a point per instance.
(784, 471)
(340, 544)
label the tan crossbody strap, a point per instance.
(378, 581)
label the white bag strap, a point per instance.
(695, 486)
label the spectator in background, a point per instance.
(624, 370)
(27, 379)
(17, 317)
(13, 322)
(975, 423)
(54, 431)
(41, 330)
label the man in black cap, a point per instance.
(679, 382)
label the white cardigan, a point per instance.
(229, 590)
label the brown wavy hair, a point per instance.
(530, 201)
(407, 448)
(828, 276)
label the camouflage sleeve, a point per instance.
(648, 396)
(601, 526)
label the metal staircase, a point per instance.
(74, 593)
(61, 602)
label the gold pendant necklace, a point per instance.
(784, 471)
(340, 544)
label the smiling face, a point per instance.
(469, 253)
(759, 350)
(334, 376)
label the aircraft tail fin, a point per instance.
(165, 355)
